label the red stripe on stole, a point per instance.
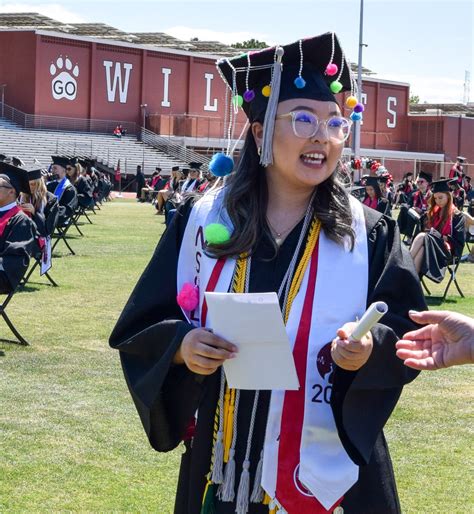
(293, 414)
(211, 285)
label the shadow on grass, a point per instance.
(438, 300)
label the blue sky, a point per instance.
(427, 43)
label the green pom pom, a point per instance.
(216, 234)
(335, 86)
(238, 101)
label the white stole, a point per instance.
(340, 296)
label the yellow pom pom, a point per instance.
(351, 102)
(266, 91)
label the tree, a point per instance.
(250, 44)
(414, 99)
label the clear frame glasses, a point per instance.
(306, 125)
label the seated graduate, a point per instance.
(412, 216)
(193, 181)
(384, 185)
(443, 237)
(82, 183)
(282, 223)
(41, 205)
(62, 188)
(373, 196)
(170, 188)
(404, 192)
(459, 195)
(150, 184)
(17, 231)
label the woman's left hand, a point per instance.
(28, 207)
(348, 354)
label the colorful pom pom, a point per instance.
(300, 82)
(266, 91)
(356, 116)
(216, 233)
(358, 108)
(331, 69)
(249, 95)
(238, 101)
(221, 165)
(351, 101)
(188, 297)
(335, 86)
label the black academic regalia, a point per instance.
(16, 245)
(67, 202)
(46, 221)
(85, 192)
(437, 255)
(167, 396)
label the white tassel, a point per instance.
(242, 504)
(266, 156)
(217, 475)
(226, 491)
(258, 493)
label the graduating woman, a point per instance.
(41, 205)
(282, 223)
(444, 236)
(374, 198)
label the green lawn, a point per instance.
(70, 439)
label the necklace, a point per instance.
(280, 236)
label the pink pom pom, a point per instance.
(331, 69)
(188, 297)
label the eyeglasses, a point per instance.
(6, 187)
(306, 125)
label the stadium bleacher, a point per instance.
(33, 144)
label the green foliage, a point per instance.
(71, 439)
(250, 44)
(414, 99)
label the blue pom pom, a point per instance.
(300, 82)
(221, 165)
(356, 116)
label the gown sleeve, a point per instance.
(362, 401)
(16, 246)
(147, 335)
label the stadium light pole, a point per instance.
(359, 80)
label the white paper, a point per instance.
(46, 257)
(253, 322)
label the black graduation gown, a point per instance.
(152, 327)
(85, 192)
(16, 245)
(437, 256)
(46, 221)
(67, 202)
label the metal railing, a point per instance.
(167, 146)
(61, 123)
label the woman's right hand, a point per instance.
(203, 352)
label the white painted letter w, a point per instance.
(123, 86)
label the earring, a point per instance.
(259, 151)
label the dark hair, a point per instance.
(378, 191)
(246, 200)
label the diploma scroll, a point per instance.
(369, 319)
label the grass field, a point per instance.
(70, 439)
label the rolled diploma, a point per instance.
(369, 319)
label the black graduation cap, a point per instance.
(426, 176)
(372, 181)
(2, 156)
(16, 161)
(15, 176)
(35, 173)
(158, 168)
(460, 158)
(253, 73)
(61, 160)
(383, 178)
(195, 165)
(441, 186)
(175, 168)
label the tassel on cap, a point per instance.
(266, 156)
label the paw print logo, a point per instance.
(64, 84)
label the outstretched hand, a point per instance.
(446, 341)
